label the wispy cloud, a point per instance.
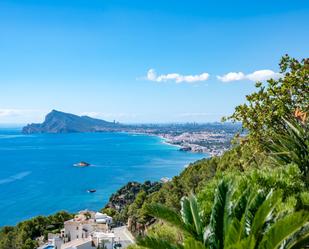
(110, 116)
(14, 112)
(259, 75)
(263, 75)
(12, 115)
(91, 114)
(232, 76)
(176, 77)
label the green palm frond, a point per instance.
(191, 216)
(191, 243)
(243, 213)
(157, 243)
(265, 213)
(283, 229)
(256, 199)
(233, 235)
(186, 211)
(298, 239)
(172, 217)
(248, 243)
(241, 203)
(219, 216)
(291, 146)
(238, 221)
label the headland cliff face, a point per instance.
(61, 122)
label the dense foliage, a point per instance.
(253, 218)
(273, 158)
(128, 198)
(291, 145)
(263, 112)
(26, 233)
(253, 196)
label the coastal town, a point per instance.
(88, 230)
(210, 138)
(214, 144)
(154, 124)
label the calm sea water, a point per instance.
(37, 176)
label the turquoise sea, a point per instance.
(37, 176)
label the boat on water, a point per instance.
(82, 164)
(91, 190)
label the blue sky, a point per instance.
(142, 61)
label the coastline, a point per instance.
(186, 147)
(111, 157)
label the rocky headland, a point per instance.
(211, 138)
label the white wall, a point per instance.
(86, 245)
(75, 230)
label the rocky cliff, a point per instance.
(60, 122)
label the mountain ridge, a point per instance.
(62, 122)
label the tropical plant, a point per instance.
(246, 220)
(292, 145)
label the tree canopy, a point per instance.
(279, 98)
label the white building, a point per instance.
(87, 226)
(103, 239)
(54, 242)
(79, 244)
(87, 230)
(74, 229)
(93, 241)
(84, 223)
(103, 218)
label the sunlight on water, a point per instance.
(37, 176)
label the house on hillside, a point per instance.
(101, 239)
(103, 219)
(87, 230)
(84, 224)
(79, 244)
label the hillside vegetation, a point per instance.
(253, 196)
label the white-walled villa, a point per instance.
(87, 230)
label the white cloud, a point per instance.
(21, 115)
(178, 78)
(263, 75)
(232, 77)
(109, 116)
(91, 114)
(9, 112)
(151, 74)
(259, 75)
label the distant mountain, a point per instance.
(61, 122)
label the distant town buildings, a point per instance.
(213, 143)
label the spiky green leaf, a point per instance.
(283, 230)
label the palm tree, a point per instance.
(249, 221)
